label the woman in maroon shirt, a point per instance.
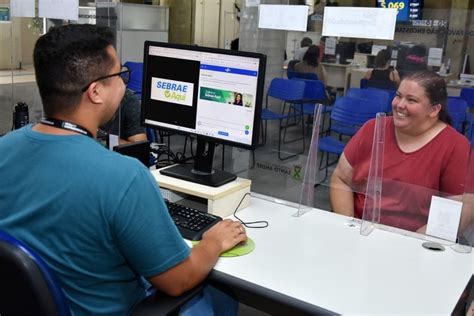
(423, 156)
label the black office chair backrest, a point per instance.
(27, 286)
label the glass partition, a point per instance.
(444, 25)
(19, 99)
(435, 205)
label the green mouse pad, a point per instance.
(238, 250)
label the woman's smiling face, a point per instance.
(413, 111)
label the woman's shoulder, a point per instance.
(452, 136)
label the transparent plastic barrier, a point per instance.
(425, 210)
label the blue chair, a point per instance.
(457, 109)
(289, 92)
(379, 95)
(315, 92)
(290, 70)
(468, 95)
(347, 112)
(303, 75)
(27, 286)
(391, 95)
(136, 77)
(377, 84)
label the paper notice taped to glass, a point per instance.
(23, 8)
(59, 9)
(283, 17)
(370, 23)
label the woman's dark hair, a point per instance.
(66, 59)
(435, 89)
(382, 58)
(312, 55)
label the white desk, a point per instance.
(454, 87)
(337, 75)
(317, 258)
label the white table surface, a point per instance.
(318, 258)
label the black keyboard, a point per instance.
(191, 223)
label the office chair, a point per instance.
(160, 304)
(136, 75)
(304, 75)
(290, 70)
(350, 113)
(27, 286)
(379, 95)
(468, 95)
(378, 84)
(457, 109)
(289, 92)
(314, 92)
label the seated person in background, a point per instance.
(383, 73)
(423, 156)
(305, 43)
(414, 61)
(97, 218)
(237, 98)
(131, 129)
(310, 64)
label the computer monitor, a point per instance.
(346, 51)
(466, 65)
(139, 150)
(212, 94)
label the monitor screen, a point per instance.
(214, 94)
(346, 51)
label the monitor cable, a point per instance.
(254, 224)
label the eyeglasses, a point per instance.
(124, 74)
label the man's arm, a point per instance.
(341, 195)
(133, 139)
(194, 269)
(131, 129)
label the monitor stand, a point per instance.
(201, 172)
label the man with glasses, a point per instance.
(97, 218)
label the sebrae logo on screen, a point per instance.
(172, 91)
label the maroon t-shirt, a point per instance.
(409, 179)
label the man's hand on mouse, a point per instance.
(227, 233)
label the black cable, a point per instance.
(264, 224)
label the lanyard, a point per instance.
(66, 125)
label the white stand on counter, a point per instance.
(221, 201)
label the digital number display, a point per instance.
(407, 10)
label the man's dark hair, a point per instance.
(66, 59)
(306, 41)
